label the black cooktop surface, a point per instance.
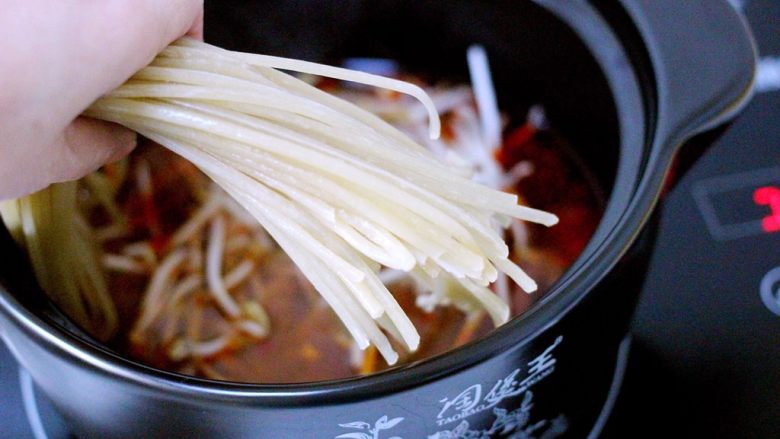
(705, 361)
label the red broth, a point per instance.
(307, 342)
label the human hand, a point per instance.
(56, 58)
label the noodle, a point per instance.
(64, 258)
(339, 189)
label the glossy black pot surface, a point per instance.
(629, 81)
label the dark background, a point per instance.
(706, 355)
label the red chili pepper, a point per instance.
(327, 84)
(151, 217)
(447, 131)
(513, 143)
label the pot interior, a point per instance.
(535, 58)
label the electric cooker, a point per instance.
(636, 78)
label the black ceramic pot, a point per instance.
(629, 81)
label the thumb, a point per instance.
(87, 144)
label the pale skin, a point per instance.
(56, 58)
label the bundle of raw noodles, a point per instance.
(341, 191)
(65, 258)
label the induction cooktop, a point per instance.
(705, 360)
(705, 357)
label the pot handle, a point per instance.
(704, 59)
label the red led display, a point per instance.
(769, 196)
(740, 205)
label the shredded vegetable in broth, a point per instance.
(306, 341)
(339, 190)
(293, 227)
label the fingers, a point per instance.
(130, 33)
(196, 29)
(86, 145)
(58, 58)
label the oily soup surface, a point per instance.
(181, 328)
